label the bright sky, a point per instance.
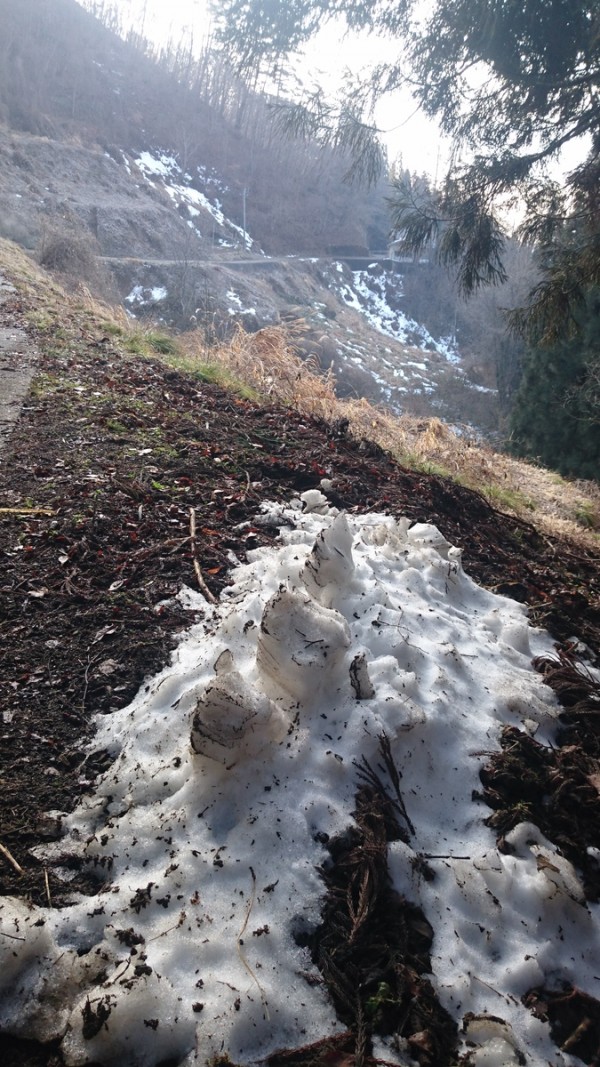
(410, 135)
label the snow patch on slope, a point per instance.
(146, 295)
(376, 294)
(161, 168)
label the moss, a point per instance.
(116, 427)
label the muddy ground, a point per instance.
(107, 463)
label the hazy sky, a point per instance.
(406, 133)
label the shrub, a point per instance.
(75, 255)
(70, 253)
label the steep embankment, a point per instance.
(53, 184)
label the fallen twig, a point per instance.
(47, 884)
(240, 942)
(27, 511)
(203, 586)
(11, 859)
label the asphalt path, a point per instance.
(263, 262)
(18, 358)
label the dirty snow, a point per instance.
(232, 764)
(238, 307)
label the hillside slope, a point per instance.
(67, 79)
(127, 479)
(135, 227)
(139, 188)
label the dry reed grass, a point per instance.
(267, 362)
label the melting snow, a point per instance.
(238, 308)
(373, 294)
(164, 165)
(232, 764)
(177, 185)
(141, 295)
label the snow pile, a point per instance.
(234, 763)
(181, 186)
(144, 295)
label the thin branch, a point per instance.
(240, 942)
(11, 859)
(202, 584)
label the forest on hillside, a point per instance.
(64, 73)
(75, 72)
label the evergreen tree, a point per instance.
(512, 82)
(556, 414)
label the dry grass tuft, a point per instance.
(267, 362)
(48, 294)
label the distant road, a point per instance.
(263, 262)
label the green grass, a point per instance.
(587, 515)
(150, 342)
(424, 466)
(162, 343)
(112, 329)
(502, 497)
(215, 374)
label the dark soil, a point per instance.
(108, 462)
(574, 1019)
(372, 946)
